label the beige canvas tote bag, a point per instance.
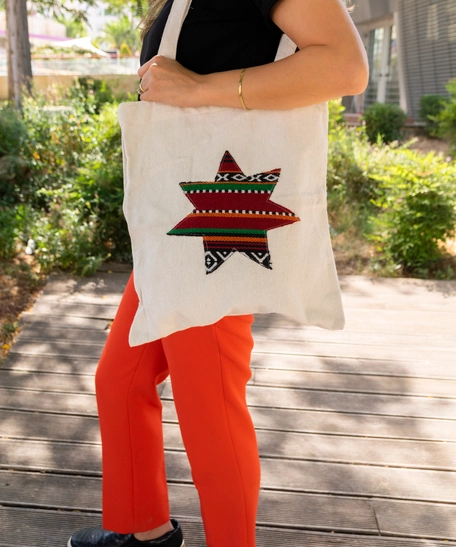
(226, 210)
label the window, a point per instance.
(432, 28)
(383, 62)
(451, 14)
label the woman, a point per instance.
(208, 366)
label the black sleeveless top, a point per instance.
(220, 35)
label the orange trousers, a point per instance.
(209, 368)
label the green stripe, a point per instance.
(208, 231)
(228, 186)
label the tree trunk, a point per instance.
(19, 58)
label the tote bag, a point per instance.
(226, 210)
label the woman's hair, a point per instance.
(155, 6)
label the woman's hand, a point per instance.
(167, 81)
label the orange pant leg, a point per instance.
(135, 495)
(209, 368)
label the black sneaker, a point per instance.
(97, 537)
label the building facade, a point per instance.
(411, 45)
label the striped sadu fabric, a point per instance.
(233, 213)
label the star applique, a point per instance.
(233, 213)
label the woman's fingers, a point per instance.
(166, 81)
(145, 67)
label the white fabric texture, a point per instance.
(164, 146)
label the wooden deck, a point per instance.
(357, 429)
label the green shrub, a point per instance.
(58, 126)
(346, 176)
(430, 107)
(65, 236)
(417, 209)
(8, 232)
(347, 180)
(336, 114)
(91, 92)
(80, 222)
(13, 134)
(384, 121)
(100, 184)
(397, 198)
(446, 119)
(70, 197)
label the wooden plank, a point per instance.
(38, 333)
(104, 287)
(387, 405)
(346, 336)
(55, 402)
(363, 319)
(352, 402)
(359, 480)
(45, 490)
(356, 450)
(405, 285)
(79, 404)
(300, 476)
(44, 381)
(55, 427)
(62, 349)
(390, 293)
(41, 425)
(30, 320)
(341, 514)
(92, 311)
(343, 449)
(352, 424)
(392, 301)
(356, 383)
(29, 528)
(430, 355)
(60, 365)
(416, 519)
(376, 367)
(78, 458)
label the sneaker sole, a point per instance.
(69, 544)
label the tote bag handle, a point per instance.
(179, 10)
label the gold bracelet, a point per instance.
(241, 77)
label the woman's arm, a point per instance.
(331, 62)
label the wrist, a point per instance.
(219, 89)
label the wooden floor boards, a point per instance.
(356, 429)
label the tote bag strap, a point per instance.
(179, 10)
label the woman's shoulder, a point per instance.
(235, 8)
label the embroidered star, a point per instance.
(233, 213)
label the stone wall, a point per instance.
(122, 84)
